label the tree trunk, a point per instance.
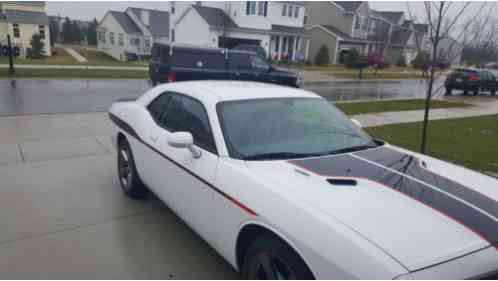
(423, 146)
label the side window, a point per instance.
(198, 59)
(239, 61)
(187, 114)
(259, 64)
(158, 106)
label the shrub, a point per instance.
(322, 58)
(421, 61)
(37, 47)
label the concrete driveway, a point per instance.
(63, 215)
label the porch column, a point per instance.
(295, 48)
(280, 42)
(306, 52)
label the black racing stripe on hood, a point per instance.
(412, 167)
(350, 166)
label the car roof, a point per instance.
(236, 90)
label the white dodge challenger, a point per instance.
(284, 186)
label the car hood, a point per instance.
(399, 202)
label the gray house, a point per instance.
(129, 35)
(343, 25)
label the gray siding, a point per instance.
(319, 37)
(328, 14)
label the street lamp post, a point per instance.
(11, 56)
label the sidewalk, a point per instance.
(56, 66)
(487, 107)
(74, 54)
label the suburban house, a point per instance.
(21, 20)
(129, 35)
(449, 50)
(59, 21)
(343, 25)
(278, 27)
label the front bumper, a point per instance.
(482, 264)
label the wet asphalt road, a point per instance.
(37, 96)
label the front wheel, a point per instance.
(270, 258)
(493, 92)
(129, 180)
(448, 92)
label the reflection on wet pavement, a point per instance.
(38, 96)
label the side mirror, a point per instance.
(184, 140)
(356, 122)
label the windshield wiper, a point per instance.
(278, 155)
(351, 149)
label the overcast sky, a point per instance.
(86, 10)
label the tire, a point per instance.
(131, 184)
(465, 92)
(493, 92)
(271, 258)
(448, 92)
(476, 91)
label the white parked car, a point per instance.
(283, 185)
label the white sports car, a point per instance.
(284, 186)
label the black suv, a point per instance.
(171, 63)
(469, 79)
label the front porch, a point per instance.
(288, 48)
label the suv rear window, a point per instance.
(198, 59)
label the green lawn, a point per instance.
(470, 142)
(352, 108)
(59, 57)
(393, 72)
(77, 73)
(98, 58)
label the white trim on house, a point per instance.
(326, 30)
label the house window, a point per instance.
(284, 10)
(251, 8)
(305, 19)
(262, 8)
(102, 36)
(147, 43)
(290, 11)
(121, 39)
(17, 30)
(41, 31)
(134, 41)
(296, 12)
(111, 38)
(357, 24)
(172, 35)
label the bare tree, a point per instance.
(444, 19)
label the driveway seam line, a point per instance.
(68, 229)
(23, 159)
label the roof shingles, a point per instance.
(215, 17)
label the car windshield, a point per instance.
(285, 128)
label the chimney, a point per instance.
(145, 17)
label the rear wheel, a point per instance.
(270, 258)
(465, 92)
(129, 180)
(476, 91)
(493, 92)
(448, 92)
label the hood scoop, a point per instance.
(343, 182)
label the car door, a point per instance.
(239, 66)
(261, 68)
(179, 179)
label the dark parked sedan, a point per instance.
(469, 79)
